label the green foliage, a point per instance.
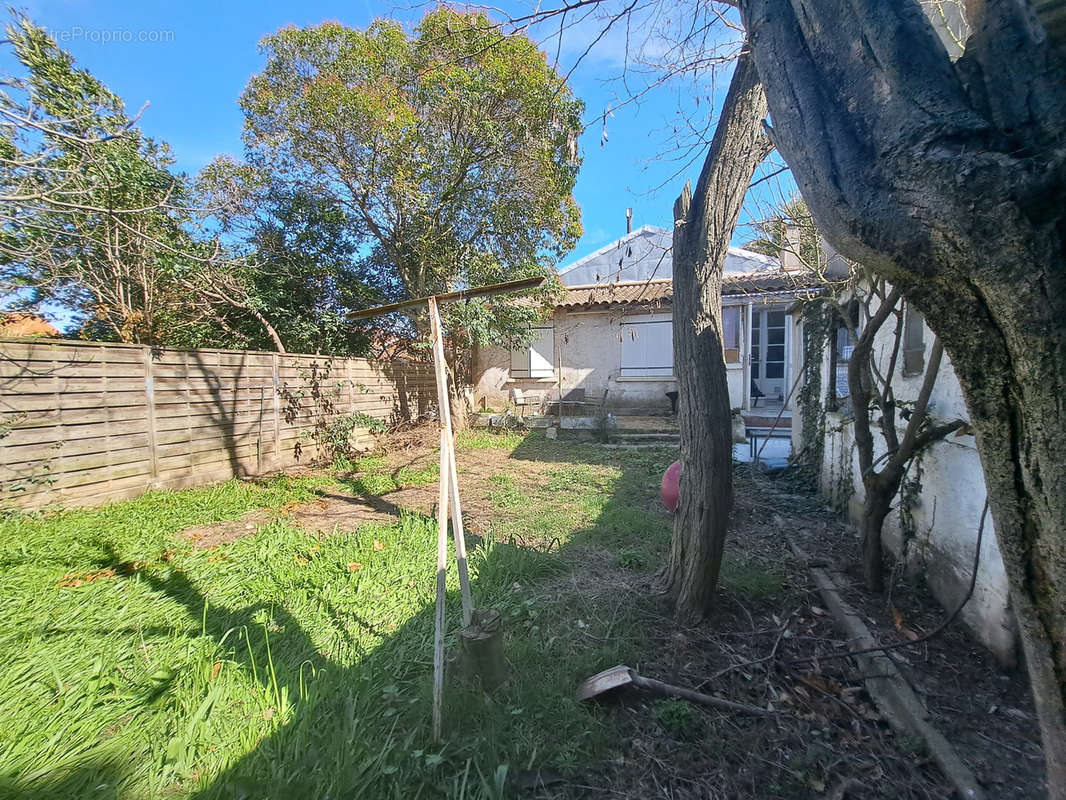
(678, 717)
(309, 270)
(750, 578)
(373, 476)
(313, 398)
(791, 230)
(451, 153)
(485, 439)
(97, 220)
(818, 327)
(508, 494)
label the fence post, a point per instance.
(149, 397)
(277, 409)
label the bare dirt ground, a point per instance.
(345, 508)
(832, 742)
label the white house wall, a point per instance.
(588, 355)
(948, 506)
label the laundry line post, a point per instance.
(448, 498)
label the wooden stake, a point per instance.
(442, 516)
(442, 567)
(449, 481)
(460, 540)
(445, 410)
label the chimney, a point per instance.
(629, 220)
(790, 247)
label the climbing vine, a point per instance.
(910, 496)
(817, 329)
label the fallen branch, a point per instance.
(925, 637)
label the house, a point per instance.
(611, 333)
(20, 323)
(933, 528)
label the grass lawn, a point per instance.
(295, 664)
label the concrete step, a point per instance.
(646, 438)
(638, 446)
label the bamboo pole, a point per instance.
(442, 567)
(449, 489)
(444, 406)
(460, 539)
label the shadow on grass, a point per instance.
(347, 699)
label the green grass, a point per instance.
(485, 439)
(507, 495)
(373, 476)
(291, 665)
(749, 578)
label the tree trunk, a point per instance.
(271, 331)
(703, 225)
(875, 508)
(950, 181)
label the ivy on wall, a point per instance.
(817, 328)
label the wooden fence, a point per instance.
(83, 423)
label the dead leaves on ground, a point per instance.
(897, 620)
(72, 580)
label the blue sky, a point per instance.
(197, 56)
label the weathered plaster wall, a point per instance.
(588, 354)
(947, 509)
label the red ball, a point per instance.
(671, 488)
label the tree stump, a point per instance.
(482, 642)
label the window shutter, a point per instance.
(520, 363)
(647, 346)
(542, 354)
(731, 333)
(913, 341)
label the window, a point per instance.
(731, 333)
(537, 360)
(774, 365)
(841, 346)
(648, 346)
(913, 341)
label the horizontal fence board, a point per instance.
(85, 423)
(48, 434)
(74, 447)
(42, 352)
(45, 420)
(61, 483)
(97, 370)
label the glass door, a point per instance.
(768, 352)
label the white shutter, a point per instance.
(537, 360)
(542, 354)
(647, 346)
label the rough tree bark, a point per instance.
(949, 180)
(703, 225)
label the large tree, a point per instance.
(452, 151)
(949, 179)
(91, 216)
(85, 197)
(302, 267)
(704, 221)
